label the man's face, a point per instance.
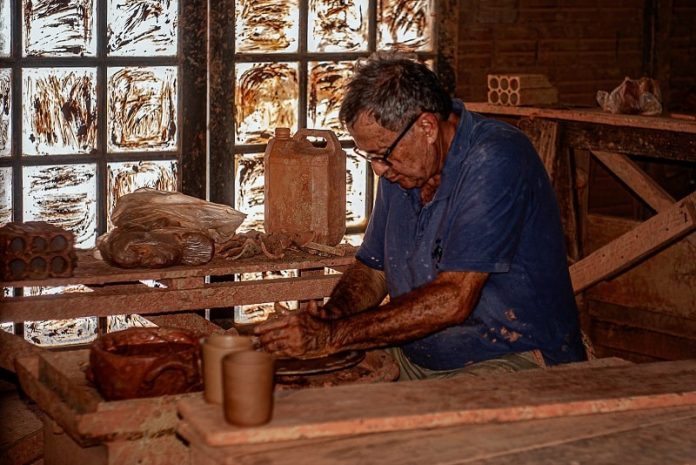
(410, 163)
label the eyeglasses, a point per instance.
(382, 157)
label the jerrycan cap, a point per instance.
(282, 133)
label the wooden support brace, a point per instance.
(627, 250)
(639, 182)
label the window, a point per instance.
(91, 98)
(284, 64)
(289, 63)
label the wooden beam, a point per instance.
(147, 300)
(636, 179)
(628, 249)
(639, 182)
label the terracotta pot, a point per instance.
(145, 362)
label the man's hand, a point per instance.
(324, 312)
(297, 334)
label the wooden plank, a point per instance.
(588, 116)
(520, 396)
(13, 347)
(149, 300)
(64, 373)
(458, 444)
(643, 185)
(630, 248)
(186, 320)
(639, 182)
(642, 341)
(112, 421)
(90, 270)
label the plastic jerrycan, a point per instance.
(305, 186)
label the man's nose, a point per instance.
(379, 168)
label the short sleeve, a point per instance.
(488, 211)
(371, 251)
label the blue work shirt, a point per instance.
(494, 212)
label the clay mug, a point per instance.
(248, 388)
(215, 347)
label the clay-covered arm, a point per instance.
(359, 288)
(446, 301)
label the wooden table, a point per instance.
(119, 291)
(593, 412)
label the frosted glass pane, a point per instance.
(5, 195)
(266, 97)
(59, 111)
(5, 108)
(127, 177)
(7, 327)
(337, 25)
(59, 27)
(266, 26)
(5, 25)
(65, 196)
(121, 322)
(60, 332)
(356, 176)
(142, 108)
(326, 84)
(405, 25)
(247, 314)
(248, 188)
(142, 27)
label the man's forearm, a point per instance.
(446, 301)
(360, 288)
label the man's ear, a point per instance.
(428, 124)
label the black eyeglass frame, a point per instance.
(382, 158)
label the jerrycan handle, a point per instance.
(332, 143)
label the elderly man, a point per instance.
(465, 238)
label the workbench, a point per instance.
(603, 411)
(117, 291)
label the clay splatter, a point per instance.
(266, 97)
(508, 335)
(337, 25)
(142, 109)
(60, 111)
(510, 314)
(142, 27)
(405, 24)
(5, 195)
(327, 82)
(60, 28)
(64, 196)
(5, 105)
(266, 25)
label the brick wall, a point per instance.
(677, 54)
(582, 45)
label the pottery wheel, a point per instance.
(312, 366)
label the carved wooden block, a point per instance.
(35, 250)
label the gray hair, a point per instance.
(394, 89)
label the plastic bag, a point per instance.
(641, 96)
(155, 229)
(154, 209)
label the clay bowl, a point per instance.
(145, 362)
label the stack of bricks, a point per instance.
(35, 250)
(521, 89)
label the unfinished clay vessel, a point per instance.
(145, 362)
(305, 185)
